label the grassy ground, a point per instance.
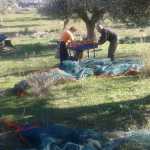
(95, 102)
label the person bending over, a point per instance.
(108, 35)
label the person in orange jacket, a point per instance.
(66, 37)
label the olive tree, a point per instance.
(91, 11)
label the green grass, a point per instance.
(95, 102)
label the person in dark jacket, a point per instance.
(108, 35)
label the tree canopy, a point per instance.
(125, 10)
(91, 11)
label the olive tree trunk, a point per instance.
(90, 21)
(90, 27)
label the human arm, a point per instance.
(71, 38)
(103, 37)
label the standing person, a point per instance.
(66, 37)
(108, 35)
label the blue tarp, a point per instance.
(58, 137)
(2, 37)
(83, 47)
(89, 67)
(72, 70)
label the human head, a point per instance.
(99, 28)
(72, 29)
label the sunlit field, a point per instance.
(97, 102)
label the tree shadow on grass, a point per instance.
(19, 26)
(106, 117)
(133, 40)
(111, 116)
(29, 50)
(20, 19)
(9, 34)
(26, 51)
(145, 39)
(129, 26)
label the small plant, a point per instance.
(146, 57)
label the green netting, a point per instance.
(71, 70)
(41, 81)
(74, 68)
(134, 140)
(89, 67)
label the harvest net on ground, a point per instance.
(73, 70)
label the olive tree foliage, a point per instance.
(136, 12)
(91, 11)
